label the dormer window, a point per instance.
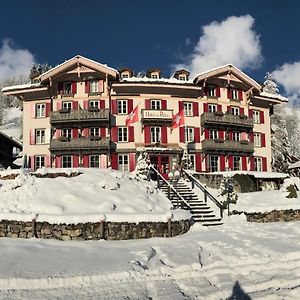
(182, 77)
(154, 73)
(154, 76)
(125, 75)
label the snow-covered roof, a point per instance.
(17, 143)
(294, 165)
(153, 80)
(21, 87)
(274, 96)
(254, 173)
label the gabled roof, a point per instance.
(78, 59)
(226, 69)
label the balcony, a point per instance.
(225, 145)
(219, 118)
(67, 145)
(65, 116)
(157, 117)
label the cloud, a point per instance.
(14, 62)
(231, 41)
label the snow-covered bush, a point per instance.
(223, 193)
(289, 189)
(141, 171)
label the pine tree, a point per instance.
(141, 171)
(223, 192)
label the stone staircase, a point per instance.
(199, 208)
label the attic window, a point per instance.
(154, 76)
(124, 75)
(182, 77)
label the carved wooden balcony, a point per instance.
(219, 118)
(157, 116)
(226, 145)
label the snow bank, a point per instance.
(252, 173)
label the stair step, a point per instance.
(207, 219)
(213, 224)
(199, 212)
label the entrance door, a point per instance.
(162, 163)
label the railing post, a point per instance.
(205, 196)
(169, 192)
(193, 184)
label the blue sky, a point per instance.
(144, 34)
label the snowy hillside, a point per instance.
(11, 123)
(84, 198)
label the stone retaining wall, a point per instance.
(93, 231)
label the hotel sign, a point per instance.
(157, 114)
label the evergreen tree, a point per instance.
(141, 171)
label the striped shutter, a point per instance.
(100, 86)
(129, 106)
(131, 162)
(230, 135)
(251, 137)
(229, 94)
(222, 163)
(219, 107)
(74, 87)
(74, 105)
(48, 161)
(114, 106)
(262, 117)
(218, 91)
(229, 109)
(195, 109)
(263, 139)
(147, 135)
(221, 134)
(103, 132)
(130, 134)
(244, 163)
(264, 164)
(147, 104)
(48, 108)
(33, 115)
(181, 135)
(198, 162)
(206, 134)
(180, 105)
(240, 95)
(32, 137)
(85, 161)
(58, 105)
(205, 107)
(114, 161)
(75, 161)
(114, 134)
(75, 133)
(85, 104)
(164, 136)
(242, 111)
(250, 113)
(102, 104)
(230, 162)
(197, 135)
(87, 87)
(163, 104)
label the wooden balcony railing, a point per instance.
(226, 119)
(225, 145)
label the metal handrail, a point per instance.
(196, 182)
(170, 186)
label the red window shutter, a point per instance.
(263, 139)
(262, 117)
(222, 163)
(114, 106)
(164, 135)
(33, 115)
(181, 135)
(229, 109)
(131, 162)
(218, 91)
(75, 161)
(32, 162)
(114, 161)
(87, 87)
(131, 134)
(147, 104)
(129, 106)
(85, 161)
(103, 132)
(230, 135)
(180, 106)
(198, 162)
(48, 108)
(58, 105)
(60, 88)
(74, 87)
(102, 104)
(230, 162)
(32, 137)
(147, 134)
(75, 133)
(85, 132)
(57, 162)
(195, 109)
(221, 134)
(252, 163)
(163, 104)
(219, 107)
(240, 95)
(205, 91)
(100, 86)
(264, 164)
(47, 161)
(244, 163)
(206, 134)
(251, 137)
(75, 105)
(197, 135)
(250, 113)
(242, 111)
(205, 107)
(114, 134)
(85, 104)
(229, 94)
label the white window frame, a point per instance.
(123, 162)
(212, 108)
(256, 116)
(40, 110)
(257, 164)
(257, 139)
(213, 134)
(65, 160)
(154, 76)
(236, 163)
(94, 104)
(235, 110)
(155, 134)
(94, 86)
(124, 75)
(211, 91)
(95, 131)
(213, 162)
(122, 134)
(67, 87)
(94, 161)
(67, 133)
(122, 106)
(66, 105)
(182, 77)
(236, 136)
(234, 94)
(39, 161)
(188, 109)
(155, 104)
(40, 136)
(189, 136)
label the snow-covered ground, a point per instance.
(11, 124)
(85, 198)
(238, 260)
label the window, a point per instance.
(67, 88)
(191, 162)
(257, 140)
(94, 161)
(122, 134)
(188, 108)
(236, 163)
(212, 107)
(234, 94)
(211, 91)
(66, 161)
(235, 110)
(182, 77)
(155, 134)
(123, 162)
(189, 134)
(40, 110)
(94, 132)
(213, 134)
(256, 116)
(236, 136)
(122, 106)
(66, 133)
(94, 86)
(67, 105)
(94, 104)
(154, 76)
(258, 164)
(39, 162)
(155, 104)
(40, 136)
(125, 75)
(213, 163)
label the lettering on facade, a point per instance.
(157, 114)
